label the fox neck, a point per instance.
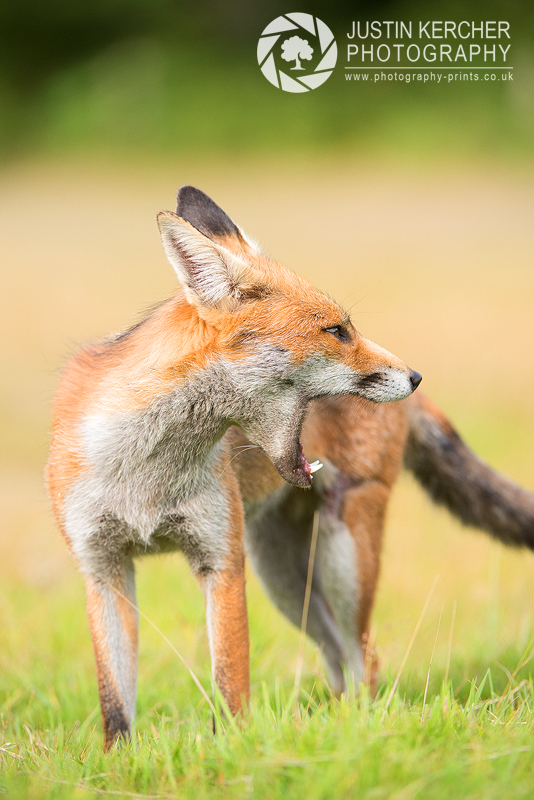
(199, 412)
(202, 392)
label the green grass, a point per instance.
(441, 267)
(471, 738)
(328, 749)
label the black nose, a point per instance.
(415, 379)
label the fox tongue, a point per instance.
(294, 467)
(305, 467)
(302, 464)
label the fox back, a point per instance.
(140, 419)
(140, 461)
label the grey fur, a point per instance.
(121, 652)
(152, 477)
(159, 463)
(278, 538)
(456, 478)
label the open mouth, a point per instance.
(292, 464)
(302, 471)
(304, 466)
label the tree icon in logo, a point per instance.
(294, 48)
(295, 37)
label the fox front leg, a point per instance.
(226, 608)
(226, 616)
(113, 621)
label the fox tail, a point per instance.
(455, 477)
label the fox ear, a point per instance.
(211, 275)
(208, 218)
(205, 215)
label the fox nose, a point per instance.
(415, 379)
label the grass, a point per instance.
(441, 268)
(473, 739)
(328, 751)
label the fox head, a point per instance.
(281, 341)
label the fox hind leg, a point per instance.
(346, 565)
(364, 507)
(278, 544)
(337, 561)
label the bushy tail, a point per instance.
(457, 479)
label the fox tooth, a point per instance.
(315, 466)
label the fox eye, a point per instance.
(339, 332)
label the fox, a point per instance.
(236, 413)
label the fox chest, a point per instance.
(151, 487)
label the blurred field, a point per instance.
(437, 266)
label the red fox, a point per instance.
(221, 406)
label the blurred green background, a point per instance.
(160, 77)
(412, 205)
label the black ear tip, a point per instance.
(189, 194)
(203, 214)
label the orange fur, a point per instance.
(114, 717)
(150, 452)
(128, 410)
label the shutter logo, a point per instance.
(297, 52)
